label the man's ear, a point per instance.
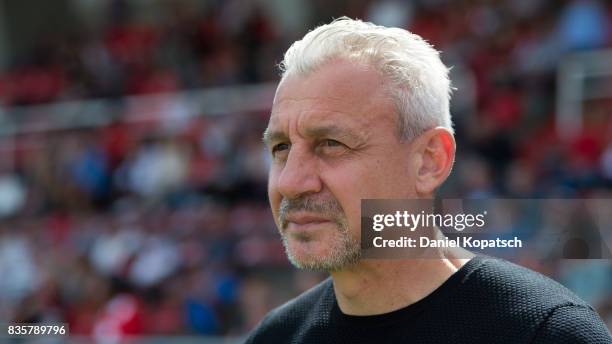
(436, 148)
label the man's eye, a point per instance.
(280, 147)
(332, 147)
(332, 143)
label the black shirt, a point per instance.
(488, 300)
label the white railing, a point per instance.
(572, 76)
(163, 106)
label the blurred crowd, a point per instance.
(146, 228)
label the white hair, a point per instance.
(417, 79)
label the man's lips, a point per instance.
(305, 219)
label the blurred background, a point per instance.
(132, 177)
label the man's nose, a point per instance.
(300, 174)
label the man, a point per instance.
(362, 111)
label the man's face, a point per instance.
(333, 138)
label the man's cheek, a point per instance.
(352, 212)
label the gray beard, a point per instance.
(346, 253)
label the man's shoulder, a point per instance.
(303, 305)
(287, 318)
(523, 302)
(499, 279)
(573, 325)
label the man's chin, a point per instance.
(308, 248)
(320, 255)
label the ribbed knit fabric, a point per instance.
(488, 300)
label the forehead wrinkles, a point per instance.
(293, 116)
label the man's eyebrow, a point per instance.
(316, 132)
(273, 136)
(330, 130)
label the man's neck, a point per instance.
(380, 286)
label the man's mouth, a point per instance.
(304, 221)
